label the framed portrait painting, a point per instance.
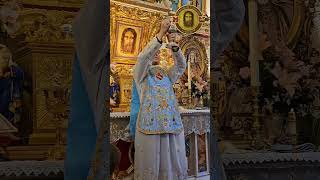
(128, 41)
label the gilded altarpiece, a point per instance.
(44, 49)
(142, 20)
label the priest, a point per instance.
(89, 84)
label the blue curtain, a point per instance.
(81, 134)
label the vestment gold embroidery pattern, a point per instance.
(159, 113)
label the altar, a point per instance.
(196, 129)
(141, 21)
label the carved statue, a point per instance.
(8, 16)
(193, 57)
(114, 87)
(11, 86)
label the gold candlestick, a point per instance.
(257, 139)
(254, 57)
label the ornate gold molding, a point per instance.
(192, 41)
(40, 25)
(55, 3)
(124, 69)
(147, 19)
(148, 5)
(51, 72)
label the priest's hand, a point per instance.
(174, 46)
(171, 37)
(165, 25)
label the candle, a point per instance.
(253, 42)
(189, 75)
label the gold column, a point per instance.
(254, 58)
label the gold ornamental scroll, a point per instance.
(139, 20)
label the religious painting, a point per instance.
(188, 19)
(128, 40)
(197, 71)
(195, 52)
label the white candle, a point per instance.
(189, 75)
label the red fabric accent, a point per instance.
(124, 148)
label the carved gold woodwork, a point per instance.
(125, 81)
(46, 57)
(125, 91)
(47, 66)
(144, 4)
(43, 47)
(55, 3)
(147, 19)
(192, 42)
(133, 14)
(298, 20)
(41, 25)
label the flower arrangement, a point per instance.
(200, 90)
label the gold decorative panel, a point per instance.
(52, 71)
(143, 23)
(40, 25)
(55, 3)
(47, 67)
(132, 25)
(191, 44)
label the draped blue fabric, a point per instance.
(134, 109)
(81, 134)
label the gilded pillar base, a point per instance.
(42, 138)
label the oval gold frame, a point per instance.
(197, 18)
(193, 42)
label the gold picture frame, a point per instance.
(189, 19)
(141, 26)
(128, 40)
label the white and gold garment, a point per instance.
(159, 137)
